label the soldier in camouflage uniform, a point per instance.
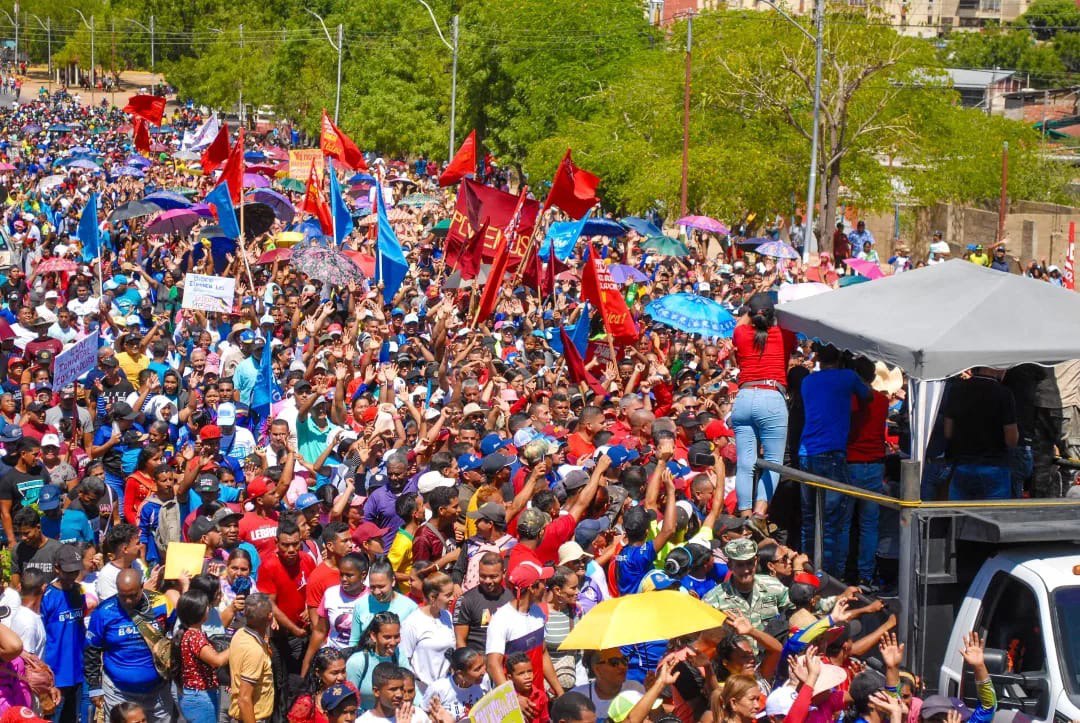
(760, 598)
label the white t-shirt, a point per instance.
(28, 626)
(419, 716)
(601, 704)
(424, 642)
(106, 581)
(513, 632)
(337, 608)
(454, 699)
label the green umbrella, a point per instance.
(418, 200)
(441, 228)
(189, 192)
(666, 246)
(291, 184)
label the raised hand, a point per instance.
(892, 652)
(973, 649)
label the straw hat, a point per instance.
(886, 380)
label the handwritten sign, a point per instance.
(498, 706)
(75, 361)
(208, 293)
(300, 163)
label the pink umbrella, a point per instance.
(278, 153)
(275, 255)
(869, 269)
(55, 264)
(704, 223)
(179, 221)
(6, 167)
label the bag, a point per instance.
(42, 683)
(161, 649)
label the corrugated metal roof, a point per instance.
(965, 78)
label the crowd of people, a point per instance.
(432, 506)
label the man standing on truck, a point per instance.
(981, 431)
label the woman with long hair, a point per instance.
(428, 634)
(378, 644)
(760, 413)
(327, 669)
(236, 583)
(739, 701)
(140, 484)
(199, 660)
(467, 683)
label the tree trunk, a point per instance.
(830, 188)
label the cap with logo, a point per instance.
(224, 514)
(741, 550)
(259, 487)
(49, 498)
(226, 414)
(69, 559)
(50, 440)
(469, 462)
(335, 696)
(209, 432)
(199, 528)
(306, 500)
(207, 484)
(528, 573)
(492, 443)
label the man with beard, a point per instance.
(379, 507)
(474, 609)
(284, 577)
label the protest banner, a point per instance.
(300, 163)
(208, 293)
(75, 361)
(500, 705)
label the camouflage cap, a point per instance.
(532, 522)
(741, 549)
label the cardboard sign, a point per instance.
(208, 293)
(498, 706)
(75, 361)
(300, 163)
(184, 557)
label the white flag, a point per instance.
(203, 136)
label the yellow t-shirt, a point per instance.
(249, 661)
(401, 559)
(131, 367)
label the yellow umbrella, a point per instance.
(656, 615)
(286, 239)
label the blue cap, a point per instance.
(678, 469)
(620, 455)
(468, 462)
(247, 336)
(335, 695)
(49, 498)
(10, 433)
(306, 500)
(398, 311)
(492, 443)
(120, 279)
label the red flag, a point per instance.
(218, 151)
(141, 133)
(477, 203)
(314, 203)
(150, 108)
(462, 164)
(1069, 276)
(339, 146)
(233, 172)
(573, 189)
(598, 287)
(467, 256)
(575, 367)
(493, 286)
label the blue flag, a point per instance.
(220, 200)
(88, 230)
(266, 391)
(343, 223)
(578, 333)
(390, 264)
(562, 236)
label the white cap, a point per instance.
(431, 480)
(780, 700)
(226, 414)
(50, 440)
(411, 319)
(51, 294)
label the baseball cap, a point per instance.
(49, 498)
(469, 462)
(10, 433)
(246, 336)
(306, 500)
(200, 527)
(490, 511)
(69, 559)
(528, 573)
(335, 695)
(412, 319)
(40, 408)
(570, 551)
(21, 714)
(109, 362)
(431, 480)
(492, 443)
(259, 487)
(575, 480)
(621, 705)
(741, 550)
(50, 440)
(123, 410)
(716, 429)
(367, 531)
(620, 455)
(636, 521)
(492, 463)
(780, 700)
(210, 431)
(224, 514)
(226, 415)
(532, 522)
(207, 483)
(687, 419)
(525, 435)
(935, 705)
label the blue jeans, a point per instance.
(759, 417)
(117, 486)
(981, 482)
(832, 465)
(870, 476)
(199, 706)
(1021, 467)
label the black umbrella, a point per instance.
(258, 218)
(133, 209)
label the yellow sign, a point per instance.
(300, 163)
(184, 557)
(498, 706)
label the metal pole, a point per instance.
(151, 42)
(15, 20)
(809, 240)
(910, 485)
(241, 115)
(453, 87)
(1003, 206)
(684, 187)
(819, 527)
(340, 47)
(93, 65)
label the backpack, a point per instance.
(474, 552)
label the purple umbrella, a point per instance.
(202, 209)
(256, 180)
(178, 221)
(167, 200)
(84, 164)
(138, 161)
(282, 207)
(623, 274)
(129, 171)
(777, 249)
(704, 223)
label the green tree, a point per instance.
(1046, 17)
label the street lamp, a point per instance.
(149, 30)
(47, 27)
(809, 240)
(453, 78)
(90, 25)
(338, 47)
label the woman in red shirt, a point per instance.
(760, 413)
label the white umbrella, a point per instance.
(794, 292)
(50, 182)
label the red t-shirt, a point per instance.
(578, 447)
(868, 423)
(289, 584)
(519, 554)
(560, 530)
(259, 531)
(771, 363)
(322, 579)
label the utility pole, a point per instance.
(16, 35)
(112, 61)
(90, 26)
(1003, 207)
(241, 116)
(683, 191)
(338, 47)
(453, 88)
(47, 27)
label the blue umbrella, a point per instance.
(138, 161)
(255, 156)
(777, 249)
(167, 200)
(603, 227)
(60, 128)
(129, 171)
(643, 227)
(361, 178)
(852, 280)
(693, 314)
(84, 163)
(623, 274)
(82, 151)
(666, 246)
(756, 241)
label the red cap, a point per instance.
(21, 714)
(716, 429)
(210, 431)
(367, 531)
(259, 487)
(528, 573)
(807, 578)
(333, 329)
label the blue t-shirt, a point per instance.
(72, 526)
(126, 658)
(826, 398)
(65, 633)
(632, 564)
(226, 494)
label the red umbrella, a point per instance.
(571, 275)
(276, 255)
(56, 264)
(364, 261)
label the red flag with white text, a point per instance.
(600, 289)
